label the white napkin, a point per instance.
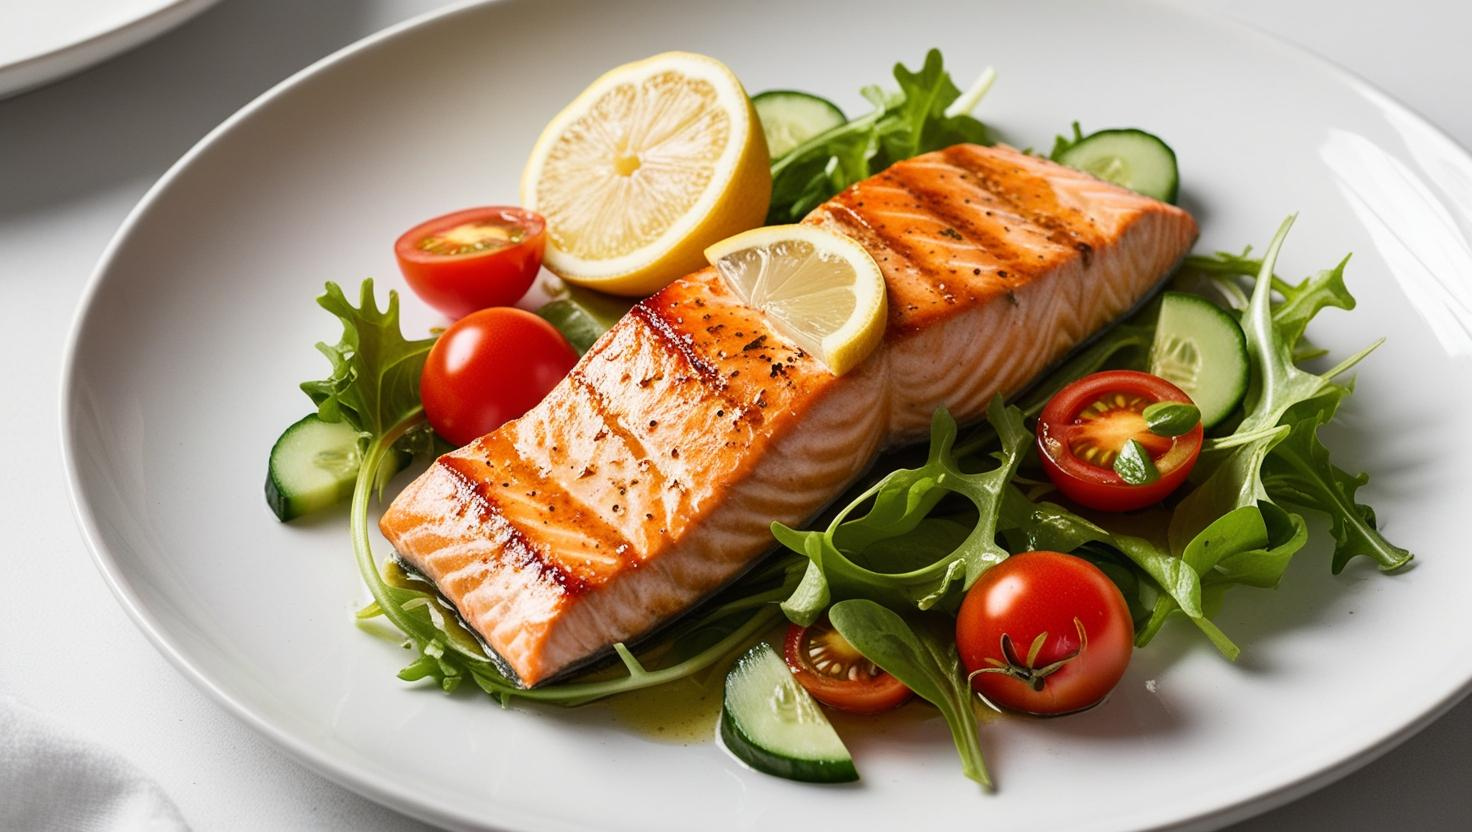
(51, 779)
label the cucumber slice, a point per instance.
(1201, 349)
(773, 725)
(790, 118)
(1134, 159)
(314, 465)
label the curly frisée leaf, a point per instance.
(375, 370)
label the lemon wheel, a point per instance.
(656, 160)
(818, 288)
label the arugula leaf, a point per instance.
(1027, 526)
(1300, 302)
(920, 117)
(1299, 472)
(1295, 403)
(841, 563)
(922, 654)
(375, 370)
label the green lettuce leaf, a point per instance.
(921, 653)
(1027, 526)
(918, 118)
(1276, 455)
(375, 369)
(846, 560)
(1299, 472)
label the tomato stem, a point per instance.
(1024, 670)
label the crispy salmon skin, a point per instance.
(650, 476)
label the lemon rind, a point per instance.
(730, 95)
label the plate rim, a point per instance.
(61, 62)
(363, 781)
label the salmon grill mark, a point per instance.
(646, 479)
(935, 203)
(853, 218)
(1025, 194)
(676, 342)
(523, 554)
(607, 418)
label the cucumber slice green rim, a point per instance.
(1201, 349)
(1127, 157)
(775, 726)
(314, 466)
(790, 118)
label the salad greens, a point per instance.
(373, 386)
(842, 562)
(890, 565)
(1290, 406)
(927, 113)
(375, 370)
(922, 654)
(1233, 526)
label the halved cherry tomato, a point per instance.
(488, 368)
(1085, 426)
(473, 259)
(1049, 633)
(836, 674)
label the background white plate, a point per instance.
(43, 40)
(199, 324)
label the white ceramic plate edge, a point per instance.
(349, 777)
(363, 782)
(38, 70)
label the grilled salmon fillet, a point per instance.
(650, 476)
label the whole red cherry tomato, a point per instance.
(1049, 633)
(488, 368)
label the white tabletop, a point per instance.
(75, 157)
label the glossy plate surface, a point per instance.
(200, 323)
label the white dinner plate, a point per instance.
(199, 324)
(44, 40)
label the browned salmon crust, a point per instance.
(650, 476)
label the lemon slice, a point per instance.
(654, 161)
(818, 288)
